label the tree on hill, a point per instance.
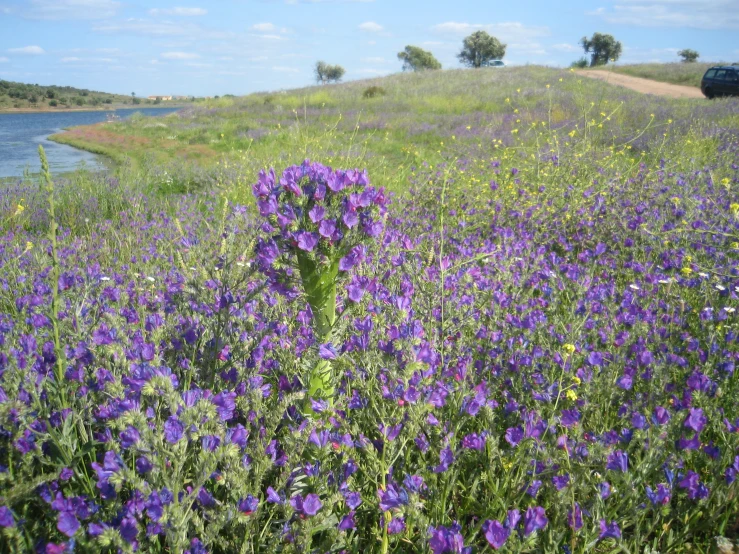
(688, 55)
(601, 48)
(480, 48)
(326, 73)
(417, 59)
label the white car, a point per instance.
(494, 63)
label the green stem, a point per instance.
(54, 276)
(319, 283)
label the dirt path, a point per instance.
(647, 86)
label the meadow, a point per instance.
(521, 308)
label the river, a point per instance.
(21, 133)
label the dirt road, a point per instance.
(647, 86)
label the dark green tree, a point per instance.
(335, 73)
(417, 59)
(480, 48)
(326, 73)
(602, 48)
(688, 55)
(321, 70)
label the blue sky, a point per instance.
(214, 47)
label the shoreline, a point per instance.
(73, 110)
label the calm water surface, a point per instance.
(21, 133)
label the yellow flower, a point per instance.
(576, 380)
(19, 209)
(571, 395)
(29, 245)
(569, 348)
(686, 271)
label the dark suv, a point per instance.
(722, 80)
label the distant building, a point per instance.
(162, 98)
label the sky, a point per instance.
(215, 47)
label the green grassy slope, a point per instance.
(676, 73)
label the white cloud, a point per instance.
(72, 9)
(146, 27)
(512, 31)
(375, 60)
(33, 50)
(263, 27)
(3, 59)
(75, 59)
(270, 37)
(565, 47)
(371, 27)
(697, 14)
(283, 69)
(180, 56)
(648, 55)
(186, 12)
(370, 71)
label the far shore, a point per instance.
(108, 108)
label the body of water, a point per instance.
(21, 133)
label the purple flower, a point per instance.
(143, 465)
(173, 430)
(307, 241)
(574, 517)
(273, 497)
(129, 437)
(248, 505)
(327, 228)
(512, 519)
(129, 529)
(196, 547)
(347, 522)
(392, 497)
(560, 481)
(513, 435)
(691, 482)
(695, 420)
(396, 526)
(495, 533)
(317, 213)
(446, 458)
(659, 497)
(474, 441)
(534, 520)
(609, 530)
(308, 506)
(447, 539)
(618, 461)
(350, 219)
(355, 256)
(6, 517)
(327, 351)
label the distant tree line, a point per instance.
(31, 94)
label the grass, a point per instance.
(688, 74)
(420, 116)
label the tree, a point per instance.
(601, 48)
(688, 55)
(479, 48)
(417, 59)
(580, 64)
(326, 73)
(321, 70)
(335, 73)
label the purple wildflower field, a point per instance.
(519, 352)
